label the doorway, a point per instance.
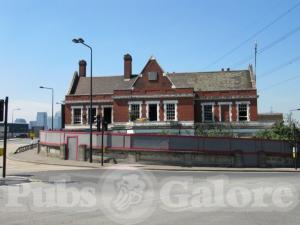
(152, 112)
(107, 114)
(72, 148)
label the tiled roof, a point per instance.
(213, 81)
(103, 85)
(200, 81)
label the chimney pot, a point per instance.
(127, 66)
(82, 68)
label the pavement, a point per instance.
(29, 163)
(80, 193)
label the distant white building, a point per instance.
(41, 119)
(57, 120)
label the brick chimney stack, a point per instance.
(127, 66)
(82, 68)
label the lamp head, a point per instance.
(78, 40)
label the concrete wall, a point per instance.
(187, 150)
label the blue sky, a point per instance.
(36, 47)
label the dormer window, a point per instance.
(152, 75)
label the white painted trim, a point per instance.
(208, 103)
(94, 106)
(224, 103)
(135, 103)
(220, 114)
(170, 101)
(87, 101)
(72, 114)
(248, 109)
(243, 102)
(175, 102)
(152, 102)
(164, 96)
(212, 110)
(230, 113)
(157, 108)
(77, 107)
(87, 107)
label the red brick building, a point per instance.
(156, 100)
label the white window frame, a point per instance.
(230, 110)
(212, 110)
(248, 109)
(135, 103)
(72, 114)
(112, 111)
(87, 113)
(157, 108)
(175, 102)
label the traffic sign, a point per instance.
(295, 150)
(1, 110)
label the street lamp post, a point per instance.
(295, 149)
(81, 41)
(12, 114)
(48, 88)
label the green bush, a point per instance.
(279, 131)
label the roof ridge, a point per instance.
(225, 71)
(110, 76)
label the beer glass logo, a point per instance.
(130, 190)
(127, 197)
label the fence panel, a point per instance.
(149, 142)
(245, 145)
(215, 145)
(183, 143)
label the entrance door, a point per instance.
(152, 112)
(107, 115)
(72, 148)
(225, 113)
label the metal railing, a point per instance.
(26, 148)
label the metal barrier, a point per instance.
(26, 148)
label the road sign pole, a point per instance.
(5, 138)
(295, 148)
(102, 139)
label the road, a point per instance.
(120, 195)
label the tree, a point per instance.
(279, 131)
